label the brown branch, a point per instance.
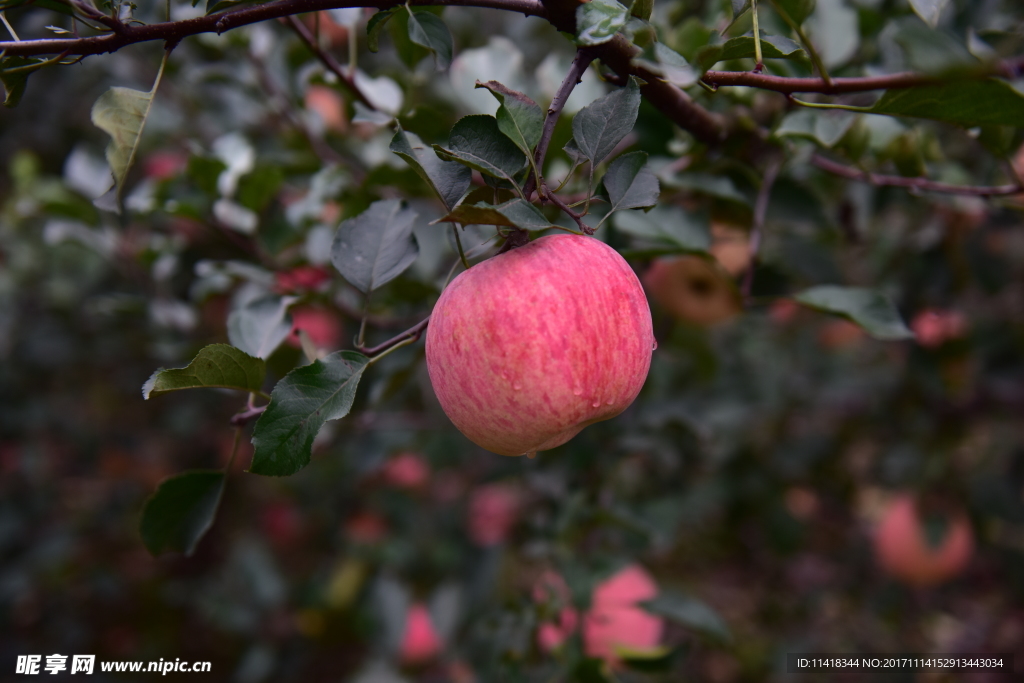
(1008, 68)
(577, 217)
(413, 333)
(174, 31)
(579, 66)
(327, 59)
(920, 184)
(760, 211)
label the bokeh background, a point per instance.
(749, 479)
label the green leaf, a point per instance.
(689, 612)
(375, 24)
(216, 365)
(513, 213)
(257, 189)
(259, 327)
(477, 142)
(122, 114)
(739, 7)
(630, 183)
(966, 103)
(929, 10)
(519, 117)
(642, 9)
(670, 65)
(825, 127)
(429, 31)
(181, 511)
(871, 310)
(597, 21)
(374, 247)
(684, 231)
(602, 124)
(300, 404)
(450, 180)
(798, 10)
(15, 82)
(740, 47)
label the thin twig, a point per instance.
(328, 60)
(413, 333)
(1007, 68)
(239, 419)
(757, 230)
(577, 217)
(920, 184)
(579, 66)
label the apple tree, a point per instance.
(317, 233)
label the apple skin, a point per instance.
(527, 348)
(903, 551)
(420, 642)
(614, 619)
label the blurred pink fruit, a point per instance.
(322, 326)
(493, 509)
(934, 327)
(904, 551)
(615, 621)
(406, 471)
(300, 279)
(366, 527)
(164, 165)
(420, 642)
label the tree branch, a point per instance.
(1007, 68)
(760, 211)
(921, 184)
(579, 66)
(174, 31)
(327, 59)
(413, 333)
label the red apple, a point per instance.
(328, 105)
(493, 509)
(933, 327)
(527, 348)
(420, 642)
(904, 551)
(406, 471)
(322, 326)
(615, 621)
(691, 289)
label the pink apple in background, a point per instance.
(328, 105)
(903, 549)
(367, 528)
(934, 327)
(164, 165)
(406, 471)
(300, 279)
(551, 588)
(420, 642)
(527, 348)
(616, 621)
(493, 509)
(322, 326)
(691, 289)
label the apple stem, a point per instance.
(410, 335)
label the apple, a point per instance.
(730, 245)
(406, 471)
(527, 348)
(420, 642)
(691, 289)
(904, 550)
(322, 326)
(328, 105)
(301, 279)
(933, 328)
(493, 509)
(616, 622)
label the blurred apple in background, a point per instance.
(493, 510)
(328, 105)
(922, 550)
(615, 621)
(420, 642)
(730, 245)
(692, 289)
(323, 327)
(406, 470)
(551, 589)
(934, 327)
(527, 348)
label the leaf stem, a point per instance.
(759, 61)
(346, 77)
(458, 245)
(805, 41)
(410, 335)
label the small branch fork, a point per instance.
(920, 184)
(410, 335)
